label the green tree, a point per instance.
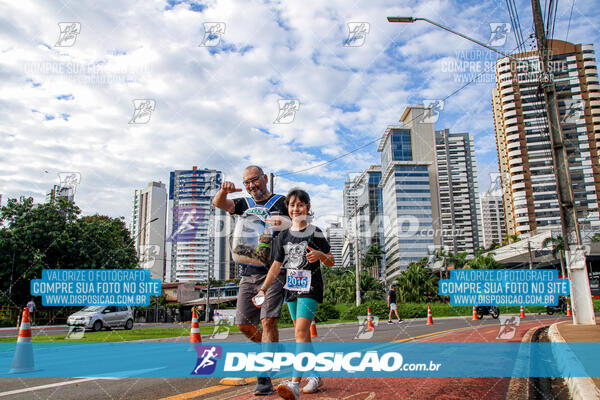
(484, 261)
(51, 236)
(372, 260)
(340, 286)
(508, 239)
(558, 250)
(595, 238)
(417, 283)
(370, 288)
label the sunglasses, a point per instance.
(251, 180)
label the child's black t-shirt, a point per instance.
(291, 251)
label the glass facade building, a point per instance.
(408, 198)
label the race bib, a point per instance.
(298, 280)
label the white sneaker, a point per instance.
(313, 384)
(289, 390)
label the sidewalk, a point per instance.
(580, 388)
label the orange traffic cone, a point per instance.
(569, 314)
(522, 315)
(313, 329)
(23, 359)
(475, 318)
(429, 316)
(370, 326)
(195, 332)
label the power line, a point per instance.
(570, 15)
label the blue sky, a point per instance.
(69, 107)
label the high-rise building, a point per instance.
(58, 191)
(524, 151)
(410, 190)
(350, 201)
(370, 212)
(148, 225)
(348, 254)
(492, 219)
(196, 243)
(335, 236)
(349, 197)
(459, 192)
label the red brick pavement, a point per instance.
(422, 388)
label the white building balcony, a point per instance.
(515, 161)
(513, 145)
(514, 153)
(523, 228)
(512, 137)
(511, 129)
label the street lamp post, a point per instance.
(413, 19)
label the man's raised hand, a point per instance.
(229, 187)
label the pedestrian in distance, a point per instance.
(392, 304)
(31, 307)
(247, 315)
(300, 250)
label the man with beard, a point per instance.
(247, 314)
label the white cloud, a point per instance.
(212, 109)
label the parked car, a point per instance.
(99, 317)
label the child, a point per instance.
(299, 250)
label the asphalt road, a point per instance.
(461, 329)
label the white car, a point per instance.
(99, 317)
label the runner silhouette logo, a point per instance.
(207, 359)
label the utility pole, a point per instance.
(581, 297)
(356, 260)
(271, 176)
(529, 252)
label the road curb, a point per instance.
(580, 388)
(518, 388)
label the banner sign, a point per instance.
(95, 287)
(504, 287)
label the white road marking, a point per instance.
(48, 386)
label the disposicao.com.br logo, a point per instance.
(370, 361)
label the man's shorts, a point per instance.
(393, 306)
(247, 313)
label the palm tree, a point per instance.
(458, 260)
(558, 248)
(508, 239)
(484, 261)
(417, 283)
(371, 260)
(493, 246)
(370, 288)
